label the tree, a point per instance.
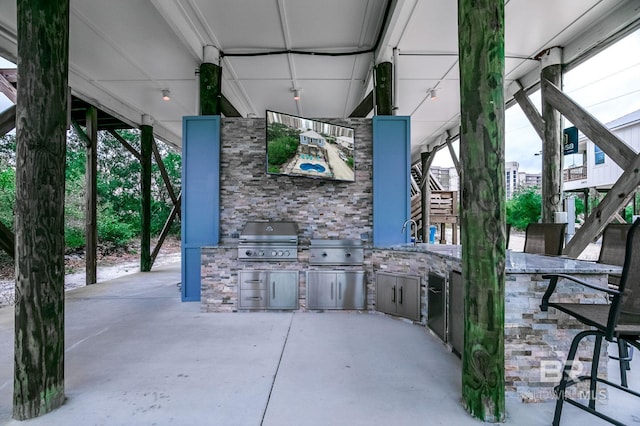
(481, 42)
(41, 118)
(524, 208)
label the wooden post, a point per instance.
(210, 83)
(41, 117)
(426, 158)
(146, 143)
(552, 144)
(7, 120)
(384, 88)
(90, 201)
(481, 45)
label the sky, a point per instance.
(607, 85)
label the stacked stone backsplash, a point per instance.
(321, 208)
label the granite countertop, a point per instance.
(518, 262)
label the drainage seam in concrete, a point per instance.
(273, 382)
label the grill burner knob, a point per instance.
(324, 254)
(286, 253)
(248, 252)
(274, 253)
(261, 253)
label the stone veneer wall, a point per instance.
(321, 208)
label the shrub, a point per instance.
(525, 207)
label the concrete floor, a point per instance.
(136, 355)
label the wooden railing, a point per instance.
(574, 173)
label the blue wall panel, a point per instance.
(391, 179)
(200, 196)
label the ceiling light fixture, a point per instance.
(433, 94)
(296, 93)
(166, 95)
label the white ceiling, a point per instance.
(124, 52)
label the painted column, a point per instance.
(146, 144)
(481, 45)
(90, 202)
(210, 82)
(383, 89)
(552, 152)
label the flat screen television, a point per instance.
(309, 148)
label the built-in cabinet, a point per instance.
(398, 295)
(436, 305)
(267, 289)
(456, 312)
(336, 290)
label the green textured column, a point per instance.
(41, 123)
(146, 144)
(384, 88)
(210, 89)
(481, 44)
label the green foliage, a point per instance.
(111, 229)
(524, 207)
(280, 150)
(73, 238)
(7, 196)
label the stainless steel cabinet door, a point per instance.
(321, 290)
(350, 290)
(408, 297)
(282, 290)
(386, 293)
(456, 312)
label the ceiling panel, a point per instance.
(333, 23)
(259, 67)
(551, 17)
(425, 67)
(243, 24)
(433, 27)
(324, 67)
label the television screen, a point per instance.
(299, 146)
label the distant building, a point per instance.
(515, 179)
(447, 176)
(511, 182)
(312, 138)
(592, 168)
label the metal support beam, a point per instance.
(7, 241)
(529, 109)
(146, 143)
(454, 157)
(163, 173)
(227, 109)
(364, 108)
(90, 202)
(552, 143)
(124, 143)
(175, 211)
(384, 88)
(7, 120)
(617, 197)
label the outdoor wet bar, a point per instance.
(536, 342)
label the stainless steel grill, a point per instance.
(336, 252)
(268, 241)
